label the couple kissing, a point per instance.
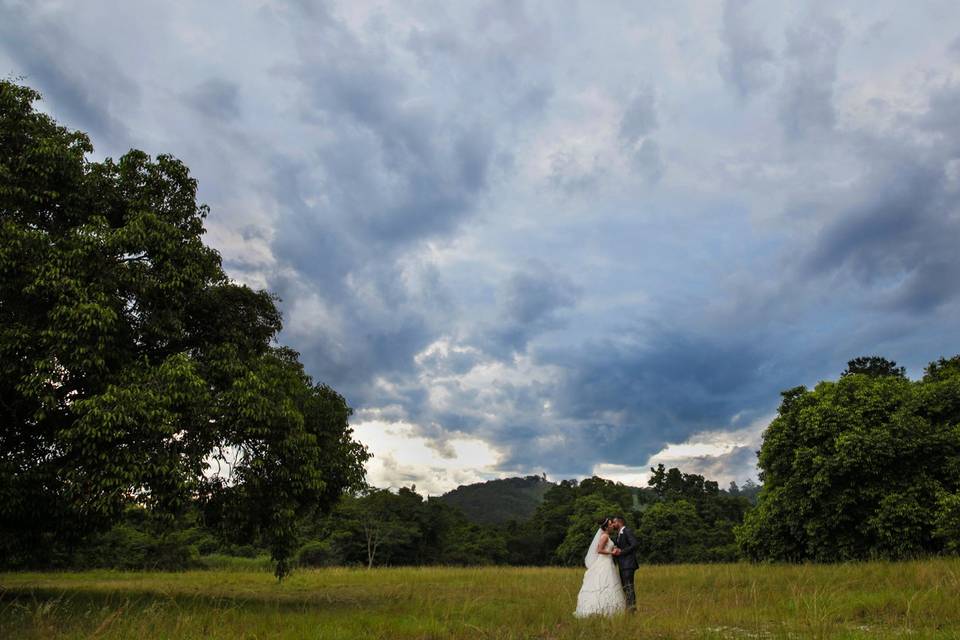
(611, 561)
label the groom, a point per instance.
(625, 555)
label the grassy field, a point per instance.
(903, 600)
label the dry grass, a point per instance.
(867, 600)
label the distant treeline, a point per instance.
(680, 517)
(692, 519)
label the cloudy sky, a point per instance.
(561, 237)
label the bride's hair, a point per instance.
(605, 522)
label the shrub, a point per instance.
(317, 553)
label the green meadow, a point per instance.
(919, 599)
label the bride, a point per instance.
(601, 592)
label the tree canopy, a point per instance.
(866, 466)
(874, 366)
(129, 360)
(693, 520)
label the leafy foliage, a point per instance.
(694, 520)
(588, 511)
(749, 490)
(378, 527)
(671, 532)
(127, 357)
(567, 517)
(867, 466)
(874, 366)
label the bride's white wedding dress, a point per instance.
(601, 593)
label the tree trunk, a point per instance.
(372, 541)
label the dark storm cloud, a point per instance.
(941, 118)
(895, 231)
(646, 158)
(451, 362)
(571, 175)
(536, 293)
(638, 122)
(355, 338)
(622, 399)
(83, 84)
(954, 48)
(216, 98)
(898, 234)
(806, 91)
(634, 394)
(531, 302)
(398, 164)
(747, 62)
(640, 117)
(398, 169)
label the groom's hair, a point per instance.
(620, 518)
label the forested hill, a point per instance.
(498, 501)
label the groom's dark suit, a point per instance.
(627, 563)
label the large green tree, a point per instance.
(588, 511)
(672, 532)
(866, 466)
(567, 518)
(667, 532)
(378, 527)
(129, 360)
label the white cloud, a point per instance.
(402, 458)
(722, 455)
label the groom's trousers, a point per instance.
(626, 579)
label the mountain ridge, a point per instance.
(500, 500)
